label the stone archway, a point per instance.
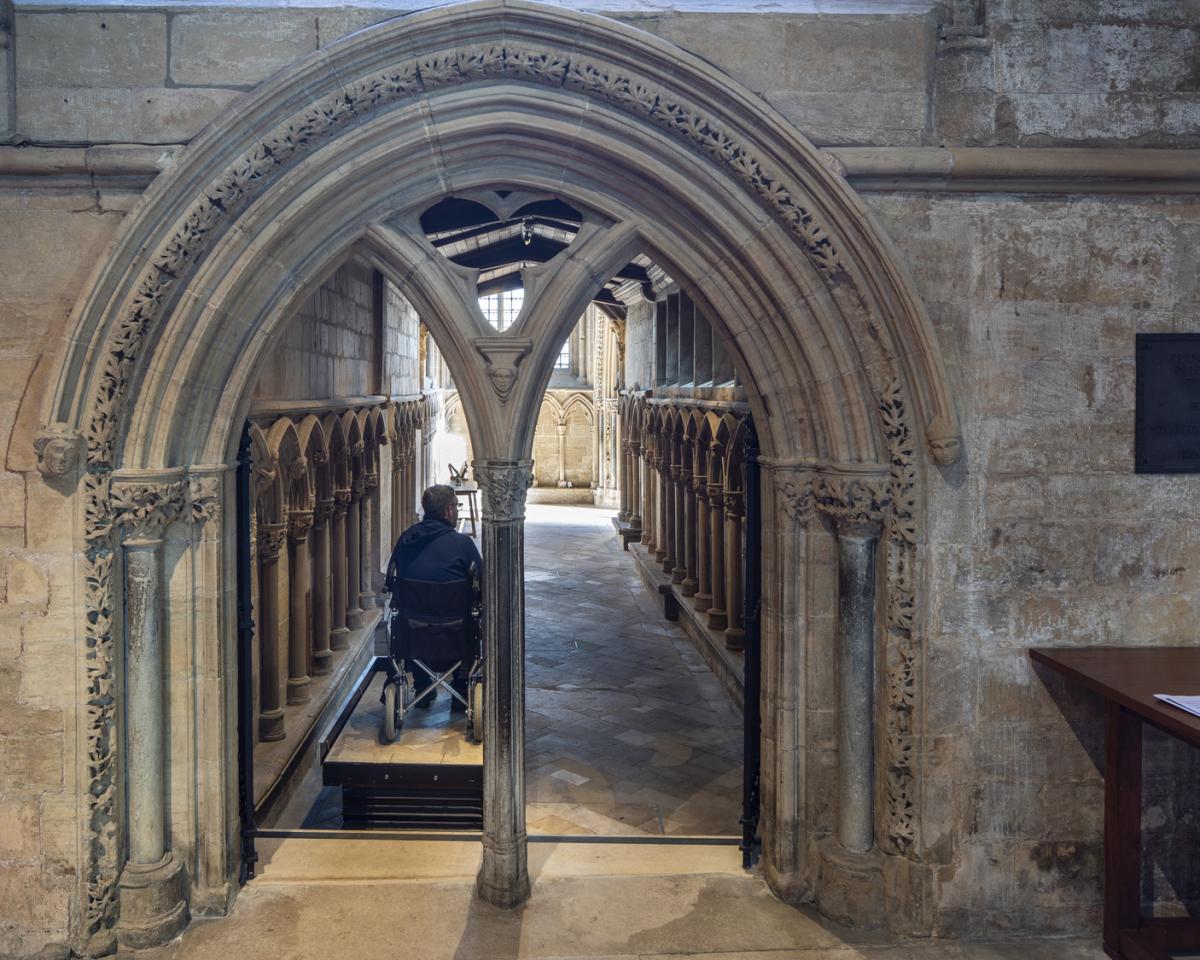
(666, 156)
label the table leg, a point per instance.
(1122, 825)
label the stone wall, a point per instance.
(1043, 535)
(331, 348)
(1026, 72)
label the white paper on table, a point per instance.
(1190, 704)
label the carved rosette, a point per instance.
(143, 510)
(502, 484)
(299, 523)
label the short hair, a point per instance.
(437, 500)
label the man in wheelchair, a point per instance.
(433, 579)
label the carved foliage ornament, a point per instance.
(503, 487)
(146, 509)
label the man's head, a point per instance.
(441, 502)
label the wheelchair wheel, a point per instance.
(477, 712)
(393, 706)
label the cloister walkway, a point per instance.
(627, 729)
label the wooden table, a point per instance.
(1127, 678)
(470, 491)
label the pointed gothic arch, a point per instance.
(668, 157)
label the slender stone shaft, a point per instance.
(561, 430)
(354, 610)
(670, 518)
(144, 693)
(735, 635)
(703, 535)
(660, 508)
(856, 685)
(398, 487)
(504, 876)
(634, 473)
(339, 633)
(646, 473)
(678, 525)
(687, 511)
(271, 537)
(623, 483)
(299, 592)
(716, 516)
(322, 605)
(367, 551)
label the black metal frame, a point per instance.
(245, 655)
(751, 845)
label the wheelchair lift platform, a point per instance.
(431, 778)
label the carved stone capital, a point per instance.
(298, 468)
(299, 523)
(271, 538)
(323, 511)
(145, 508)
(320, 457)
(59, 451)
(796, 496)
(503, 484)
(856, 505)
(204, 495)
(734, 503)
(357, 485)
(341, 501)
(716, 494)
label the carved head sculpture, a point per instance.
(944, 442)
(58, 451)
(503, 379)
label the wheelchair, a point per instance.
(436, 627)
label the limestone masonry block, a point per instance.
(19, 830)
(237, 48)
(26, 583)
(83, 49)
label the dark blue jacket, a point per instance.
(434, 551)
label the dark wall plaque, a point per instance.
(1167, 438)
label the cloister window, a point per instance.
(501, 309)
(564, 356)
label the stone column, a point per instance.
(646, 472)
(354, 610)
(735, 635)
(634, 475)
(339, 634)
(271, 538)
(661, 485)
(678, 524)
(857, 542)
(503, 876)
(299, 590)
(716, 541)
(398, 491)
(673, 557)
(703, 599)
(561, 430)
(152, 885)
(322, 601)
(369, 548)
(688, 583)
(623, 512)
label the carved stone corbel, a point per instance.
(503, 356)
(59, 451)
(945, 444)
